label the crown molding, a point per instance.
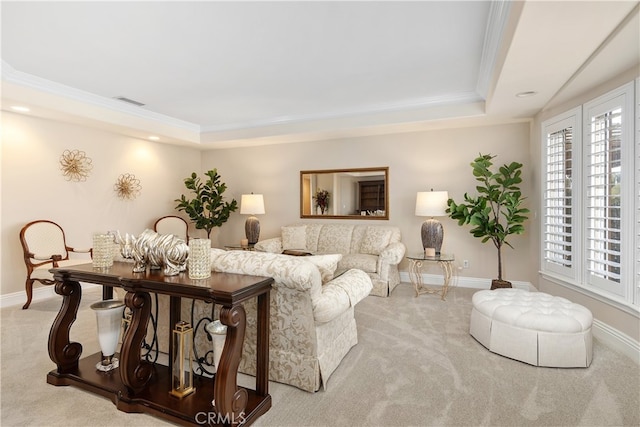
(11, 75)
(498, 17)
(407, 106)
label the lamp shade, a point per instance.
(252, 204)
(432, 203)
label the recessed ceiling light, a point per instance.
(20, 108)
(154, 138)
(526, 94)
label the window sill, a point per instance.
(598, 295)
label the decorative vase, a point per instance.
(218, 333)
(109, 318)
(199, 260)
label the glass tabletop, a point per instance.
(420, 256)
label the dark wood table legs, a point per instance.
(141, 386)
(63, 353)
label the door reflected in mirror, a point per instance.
(345, 193)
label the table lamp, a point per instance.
(252, 204)
(432, 203)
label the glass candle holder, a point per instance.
(199, 261)
(102, 250)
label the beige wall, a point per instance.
(417, 161)
(624, 319)
(33, 186)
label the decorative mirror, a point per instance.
(345, 193)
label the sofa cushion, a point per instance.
(375, 240)
(294, 237)
(326, 264)
(335, 239)
(364, 262)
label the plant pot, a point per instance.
(497, 284)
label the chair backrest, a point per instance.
(172, 225)
(43, 238)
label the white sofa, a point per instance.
(375, 249)
(312, 324)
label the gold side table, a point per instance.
(445, 261)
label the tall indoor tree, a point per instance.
(496, 212)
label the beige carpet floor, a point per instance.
(415, 365)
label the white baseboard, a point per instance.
(616, 340)
(465, 282)
(39, 294)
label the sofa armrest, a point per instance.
(339, 294)
(393, 253)
(273, 245)
(356, 283)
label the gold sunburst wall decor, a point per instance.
(127, 186)
(75, 165)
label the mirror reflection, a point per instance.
(345, 193)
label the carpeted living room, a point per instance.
(340, 117)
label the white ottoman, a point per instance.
(533, 327)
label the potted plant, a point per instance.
(207, 209)
(496, 212)
(322, 200)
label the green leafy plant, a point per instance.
(496, 212)
(208, 208)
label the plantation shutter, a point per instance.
(603, 180)
(558, 219)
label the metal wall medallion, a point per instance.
(127, 186)
(75, 165)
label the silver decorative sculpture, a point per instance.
(159, 251)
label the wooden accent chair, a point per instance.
(172, 225)
(45, 247)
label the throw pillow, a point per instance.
(375, 240)
(326, 264)
(294, 237)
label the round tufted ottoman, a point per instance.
(533, 327)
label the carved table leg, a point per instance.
(447, 269)
(229, 400)
(135, 373)
(415, 273)
(63, 353)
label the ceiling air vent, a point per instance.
(130, 101)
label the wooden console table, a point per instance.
(140, 386)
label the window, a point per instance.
(589, 176)
(558, 217)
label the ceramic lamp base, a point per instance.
(432, 235)
(252, 230)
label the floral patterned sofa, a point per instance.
(375, 249)
(312, 325)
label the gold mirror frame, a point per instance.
(361, 193)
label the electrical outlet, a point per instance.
(465, 263)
